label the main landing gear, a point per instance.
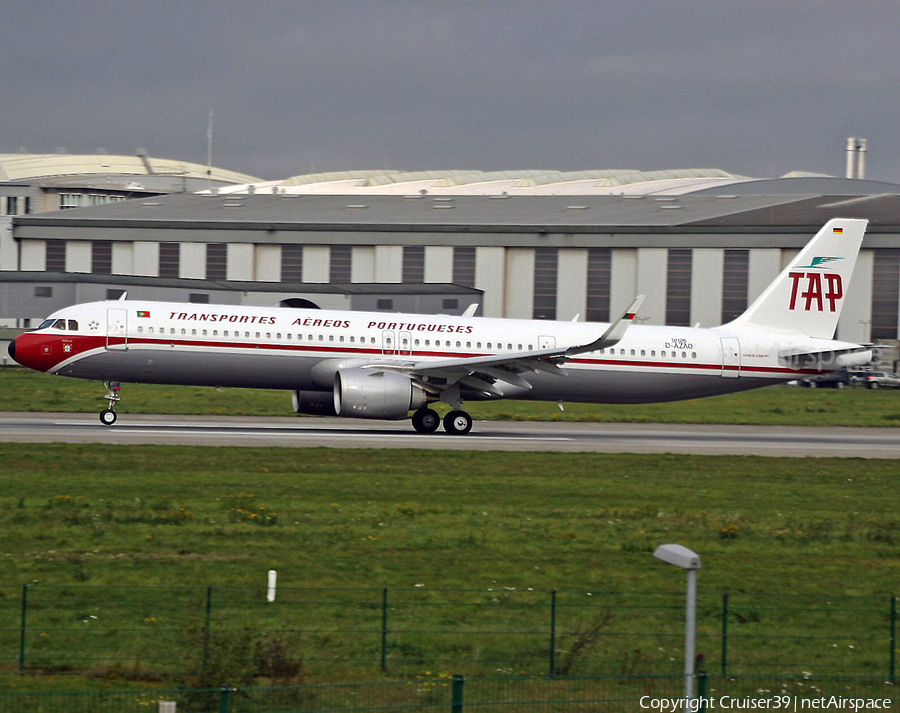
(457, 423)
(108, 415)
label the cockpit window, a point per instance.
(70, 325)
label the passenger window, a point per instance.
(257, 334)
(632, 352)
(225, 333)
(184, 331)
(459, 344)
(652, 352)
(140, 330)
(150, 330)
(693, 355)
(193, 332)
(520, 347)
(643, 352)
(684, 355)
(509, 347)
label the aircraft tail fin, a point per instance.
(806, 298)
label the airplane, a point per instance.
(377, 365)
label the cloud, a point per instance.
(759, 88)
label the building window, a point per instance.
(413, 264)
(55, 255)
(216, 261)
(169, 259)
(43, 291)
(450, 303)
(546, 261)
(101, 257)
(383, 303)
(464, 266)
(70, 200)
(678, 287)
(885, 293)
(599, 272)
(341, 263)
(97, 199)
(292, 263)
(12, 205)
(734, 283)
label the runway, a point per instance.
(297, 432)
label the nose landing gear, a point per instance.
(108, 415)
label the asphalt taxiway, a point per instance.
(300, 432)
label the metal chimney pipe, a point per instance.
(851, 153)
(861, 159)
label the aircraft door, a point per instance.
(116, 329)
(405, 344)
(731, 357)
(546, 342)
(388, 343)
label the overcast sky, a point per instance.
(757, 87)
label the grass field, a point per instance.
(467, 544)
(24, 390)
(517, 525)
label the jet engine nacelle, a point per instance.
(368, 393)
(313, 403)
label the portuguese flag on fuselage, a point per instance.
(143, 313)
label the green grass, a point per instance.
(502, 529)
(24, 390)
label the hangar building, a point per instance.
(700, 244)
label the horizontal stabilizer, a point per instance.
(828, 360)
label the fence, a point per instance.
(339, 634)
(615, 694)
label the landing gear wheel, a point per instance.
(426, 420)
(457, 423)
(108, 417)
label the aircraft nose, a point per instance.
(12, 350)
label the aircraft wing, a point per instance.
(481, 373)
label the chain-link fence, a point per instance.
(343, 634)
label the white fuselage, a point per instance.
(279, 348)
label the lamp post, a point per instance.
(681, 556)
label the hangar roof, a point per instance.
(35, 167)
(468, 213)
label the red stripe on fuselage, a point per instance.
(44, 352)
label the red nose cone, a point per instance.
(37, 351)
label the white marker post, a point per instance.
(270, 593)
(681, 556)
